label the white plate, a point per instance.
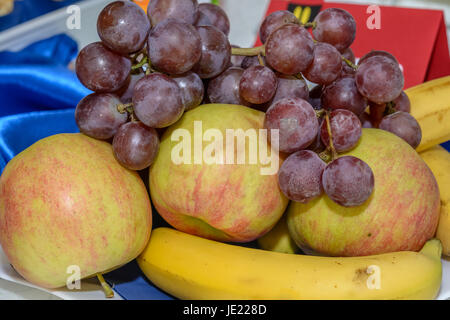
(90, 289)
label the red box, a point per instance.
(416, 37)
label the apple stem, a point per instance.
(109, 293)
(334, 154)
(248, 51)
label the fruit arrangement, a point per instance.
(335, 171)
(162, 63)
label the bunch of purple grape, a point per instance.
(315, 126)
(150, 68)
(147, 70)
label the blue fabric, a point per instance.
(37, 77)
(25, 10)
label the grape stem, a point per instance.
(109, 293)
(390, 108)
(320, 113)
(248, 51)
(325, 155)
(261, 61)
(334, 154)
(310, 25)
(140, 64)
(126, 107)
(350, 64)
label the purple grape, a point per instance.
(100, 69)
(343, 94)
(174, 47)
(96, 115)
(274, 21)
(126, 92)
(345, 129)
(135, 145)
(215, 16)
(326, 65)
(202, 20)
(403, 125)
(216, 52)
(249, 61)
(336, 27)
(296, 121)
(235, 60)
(374, 53)
(289, 50)
(291, 87)
(346, 69)
(182, 10)
(315, 97)
(317, 145)
(379, 79)
(157, 100)
(365, 120)
(192, 89)
(225, 87)
(376, 113)
(123, 27)
(349, 55)
(300, 176)
(258, 84)
(348, 181)
(402, 103)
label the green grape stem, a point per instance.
(258, 51)
(126, 107)
(320, 113)
(140, 64)
(309, 25)
(109, 293)
(249, 51)
(325, 155)
(261, 61)
(390, 108)
(334, 154)
(350, 64)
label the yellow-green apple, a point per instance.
(67, 206)
(278, 239)
(401, 214)
(215, 175)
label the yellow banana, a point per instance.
(438, 159)
(190, 267)
(430, 105)
(278, 239)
